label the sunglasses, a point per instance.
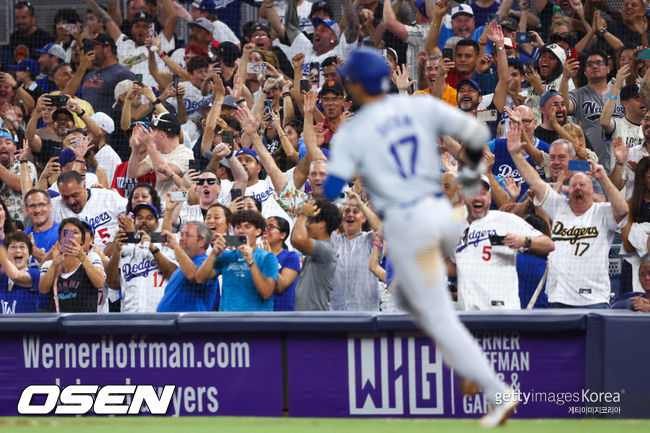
(201, 182)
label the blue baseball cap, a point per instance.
(546, 96)
(147, 206)
(420, 6)
(208, 6)
(368, 68)
(247, 151)
(88, 226)
(5, 133)
(66, 156)
(53, 50)
(471, 82)
(27, 65)
(316, 21)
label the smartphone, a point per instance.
(70, 29)
(157, 238)
(572, 53)
(235, 241)
(369, 43)
(530, 67)
(487, 115)
(88, 46)
(644, 54)
(132, 238)
(523, 38)
(152, 30)
(176, 79)
(56, 151)
(263, 69)
(268, 107)
(579, 165)
(178, 196)
(56, 100)
(66, 239)
(314, 71)
(227, 137)
(496, 239)
(235, 193)
(217, 63)
(252, 68)
(305, 86)
(492, 17)
(196, 165)
(448, 53)
(138, 79)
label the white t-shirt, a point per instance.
(101, 211)
(579, 267)
(136, 59)
(180, 157)
(108, 160)
(142, 283)
(487, 274)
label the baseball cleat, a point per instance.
(499, 413)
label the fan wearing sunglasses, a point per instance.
(207, 188)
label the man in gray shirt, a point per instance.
(586, 103)
(311, 236)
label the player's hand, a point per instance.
(145, 238)
(401, 78)
(512, 187)
(488, 159)
(74, 249)
(571, 67)
(298, 60)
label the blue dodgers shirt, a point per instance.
(183, 295)
(285, 301)
(504, 165)
(20, 299)
(238, 292)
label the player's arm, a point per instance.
(570, 71)
(527, 171)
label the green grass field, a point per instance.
(302, 425)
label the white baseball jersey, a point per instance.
(101, 211)
(487, 274)
(393, 144)
(136, 59)
(579, 267)
(142, 283)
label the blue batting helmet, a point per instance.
(368, 68)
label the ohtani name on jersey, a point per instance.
(131, 271)
(99, 220)
(573, 234)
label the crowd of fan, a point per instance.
(140, 173)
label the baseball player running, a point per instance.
(392, 143)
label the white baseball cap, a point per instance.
(462, 9)
(121, 88)
(557, 51)
(104, 121)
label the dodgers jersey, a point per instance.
(393, 144)
(487, 274)
(101, 211)
(142, 284)
(578, 272)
